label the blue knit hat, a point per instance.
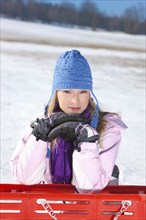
(72, 71)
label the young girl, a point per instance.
(73, 141)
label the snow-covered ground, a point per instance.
(28, 54)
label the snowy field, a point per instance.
(28, 55)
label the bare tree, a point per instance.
(132, 19)
(88, 14)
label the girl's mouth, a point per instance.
(74, 109)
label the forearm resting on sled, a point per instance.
(28, 162)
(93, 165)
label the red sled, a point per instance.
(48, 201)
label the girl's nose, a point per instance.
(75, 99)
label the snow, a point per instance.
(28, 55)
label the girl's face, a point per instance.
(73, 101)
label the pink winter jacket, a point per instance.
(92, 166)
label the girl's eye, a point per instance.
(67, 91)
(70, 91)
(84, 91)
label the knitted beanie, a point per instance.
(72, 71)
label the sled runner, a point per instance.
(47, 202)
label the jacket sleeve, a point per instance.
(28, 162)
(93, 165)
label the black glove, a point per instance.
(74, 130)
(42, 127)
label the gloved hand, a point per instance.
(42, 127)
(74, 130)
